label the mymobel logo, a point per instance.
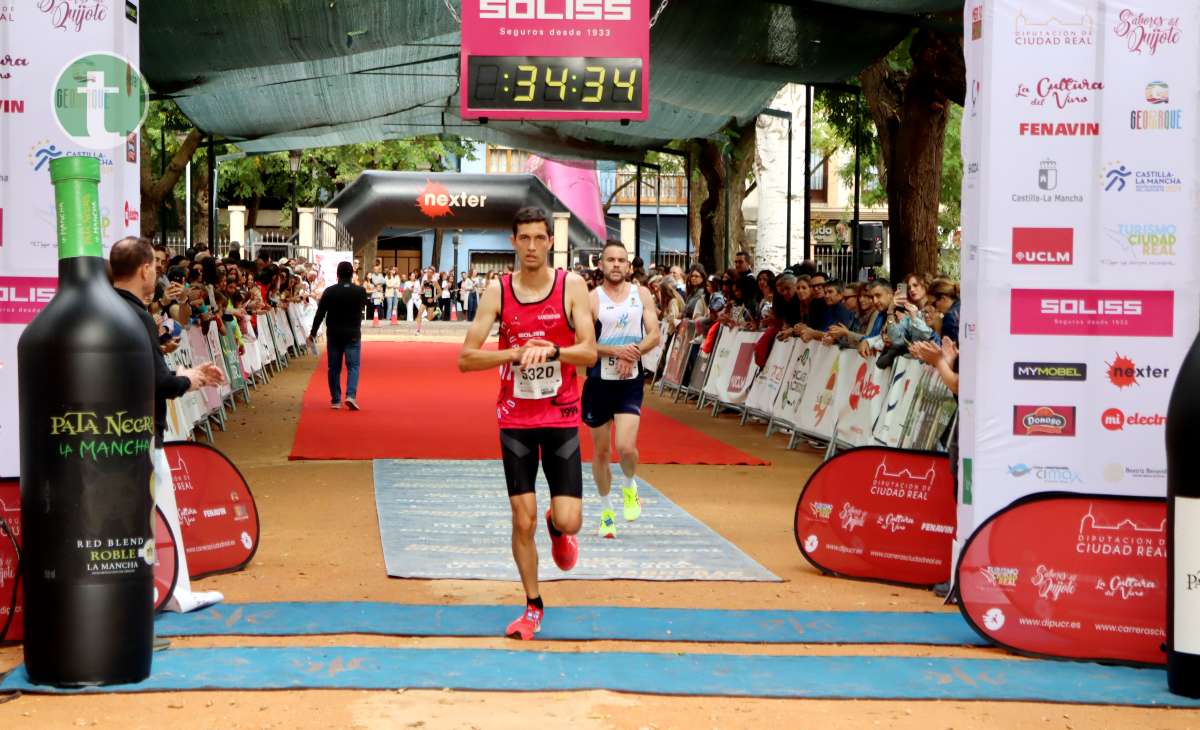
(1062, 371)
(555, 9)
(99, 99)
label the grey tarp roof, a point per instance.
(311, 73)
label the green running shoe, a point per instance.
(608, 524)
(633, 503)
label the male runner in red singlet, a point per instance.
(545, 331)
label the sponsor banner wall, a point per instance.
(1081, 286)
(39, 39)
(732, 368)
(770, 379)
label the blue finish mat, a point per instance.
(688, 674)
(575, 623)
(451, 519)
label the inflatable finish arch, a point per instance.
(447, 200)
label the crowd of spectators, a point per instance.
(198, 287)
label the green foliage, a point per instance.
(950, 211)
(322, 173)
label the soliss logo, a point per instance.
(1103, 306)
(26, 295)
(564, 10)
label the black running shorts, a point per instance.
(603, 399)
(558, 449)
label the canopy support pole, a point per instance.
(808, 106)
(856, 254)
(212, 197)
(637, 219)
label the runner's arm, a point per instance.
(583, 352)
(649, 321)
(473, 356)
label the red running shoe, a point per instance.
(527, 625)
(563, 548)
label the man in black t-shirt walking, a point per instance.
(341, 307)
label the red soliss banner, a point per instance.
(217, 514)
(1070, 576)
(879, 514)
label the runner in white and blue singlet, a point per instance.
(626, 329)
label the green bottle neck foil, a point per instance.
(76, 183)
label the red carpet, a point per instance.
(417, 405)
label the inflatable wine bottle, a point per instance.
(86, 392)
(1183, 529)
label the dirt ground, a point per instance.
(320, 541)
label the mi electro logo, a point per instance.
(1114, 419)
(551, 10)
(1057, 371)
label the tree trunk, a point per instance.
(200, 220)
(252, 211)
(154, 191)
(910, 109)
(724, 177)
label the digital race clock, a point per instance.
(555, 59)
(555, 83)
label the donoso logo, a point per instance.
(1043, 420)
(1054, 246)
(555, 9)
(1092, 312)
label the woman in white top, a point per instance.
(445, 284)
(412, 295)
(392, 285)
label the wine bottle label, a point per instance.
(104, 530)
(1187, 575)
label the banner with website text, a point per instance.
(1079, 264)
(49, 108)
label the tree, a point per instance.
(908, 123)
(723, 165)
(909, 100)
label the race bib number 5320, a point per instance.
(538, 381)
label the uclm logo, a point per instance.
(555, 9)
(1092, 312)
(1053, 246)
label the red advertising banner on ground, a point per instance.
(217, 514)
(1070, 576)
(166, 561)
(166, 564)
(879, 514)
(10, 510)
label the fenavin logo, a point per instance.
(552, 10)
(1061, 371)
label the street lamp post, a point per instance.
(294, 166)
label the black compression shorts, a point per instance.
(558, 449)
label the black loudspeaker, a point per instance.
(869, 240)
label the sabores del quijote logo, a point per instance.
(1147, 33)
(74, 15)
